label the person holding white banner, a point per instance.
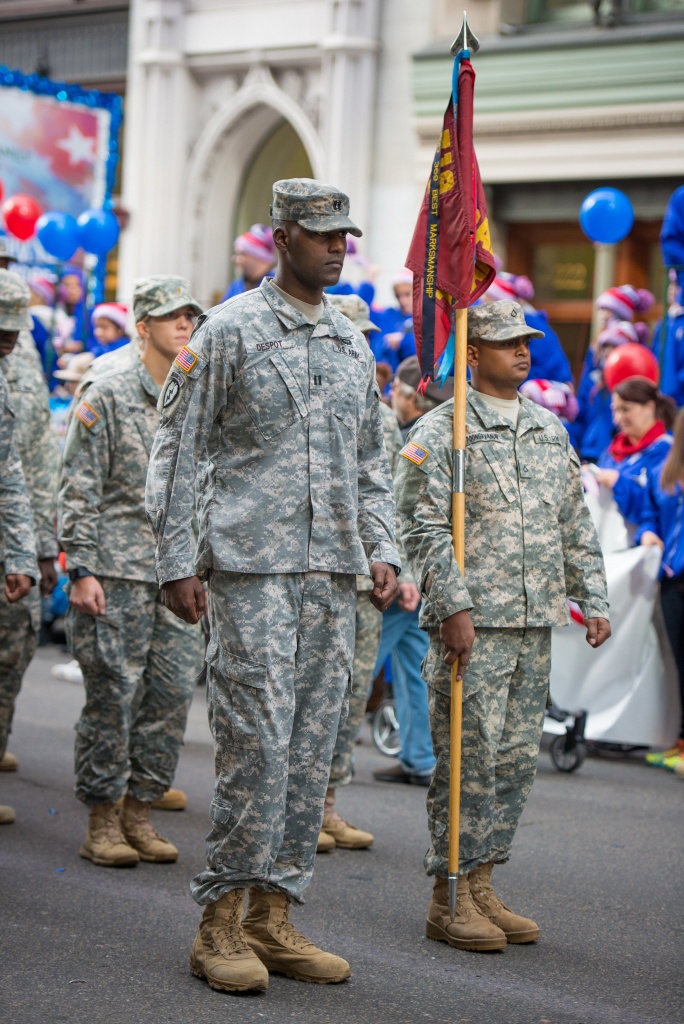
(644, 418)
(661, 526)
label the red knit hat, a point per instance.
(114, 311)
(511, 287)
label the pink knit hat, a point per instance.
(114, 311)
(510, 287)
(257, 242)
(625, 301)
(619, 332)
(552, 395)
(44, 288)
(404, 276)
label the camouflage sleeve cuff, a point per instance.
(48, 551)
(594, 610)
(75, 557)
(21, 567)
(167, 572)
(385, 552)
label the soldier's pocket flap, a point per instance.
(231, 666)
(502, 478)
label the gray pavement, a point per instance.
(598, 862)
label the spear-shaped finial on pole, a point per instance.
(465, 40)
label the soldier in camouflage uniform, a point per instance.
(336, 831)
(279, 389)
(17, 543)
(39, 453)
(530, 544)
(139, 661)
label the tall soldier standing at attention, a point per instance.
(18, 569)
(529, 544)
(278, 389)
(39, 454)
(139, 662)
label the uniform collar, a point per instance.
(528, 419)
(148, 384)
(332, 322)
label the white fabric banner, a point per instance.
(629, 686)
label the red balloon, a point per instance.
(21, 213)
(630, 360)
(2, 191)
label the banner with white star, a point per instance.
(53, 148)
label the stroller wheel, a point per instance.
(567, 757)
(385, 729)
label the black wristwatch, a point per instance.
(79, 573)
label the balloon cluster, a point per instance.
(60, 234)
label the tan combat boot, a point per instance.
(172, 800)
(220, 954)
(281, 948)
(346, 836)
(142, 835)
(470, 929)
(7, 814)
(517, 928)
(9, 763)
(105, 844)
(325, 842)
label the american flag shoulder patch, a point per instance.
(87, 415)
(414, 453)
(186, 359)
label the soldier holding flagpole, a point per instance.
(498, 536)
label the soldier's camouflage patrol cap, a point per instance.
(499, 321)
(355, 309)
(160, 294)
(317, 207)
(14, 302)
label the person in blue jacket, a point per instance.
(644, 418)
(254, 256)
(670, 355)
(396, 341)
(593, 429)
(661, 524)
(548, 360)
(109, 321)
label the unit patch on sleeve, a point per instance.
(173, 386)
(87, 415)
(186, 359)
(414, 453)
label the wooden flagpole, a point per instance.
(458, 538)
(468, 42)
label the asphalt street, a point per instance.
(598, 862)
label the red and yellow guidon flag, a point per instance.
(451, 252)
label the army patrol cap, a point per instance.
(499, 321)
(14, 302)
(317, 207)
(355, 309)
(160, 294)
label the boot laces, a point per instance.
(287, 933)
(228, 936)
(485, 892)
(110, 828)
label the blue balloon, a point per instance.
(606, 216)
(98, 231)
(58, 234)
